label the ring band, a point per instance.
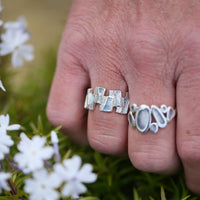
(145, 118)
(107, 103)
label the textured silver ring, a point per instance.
(145, 118)
(107, 103)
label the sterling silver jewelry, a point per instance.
(145, 118)
(106, 103)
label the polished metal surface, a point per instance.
(114, 100)
(145, 118)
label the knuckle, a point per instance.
(73, 43)
(151, 58)
(188, 61)
(108, 45)
(108, 38)
(146, 43)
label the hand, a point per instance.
(149, 48)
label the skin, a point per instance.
(150, 48)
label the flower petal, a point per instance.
(4, 120)
(3, 131)
(4, 149)
(73, 164)
(21, 23)
(1, 86)
(3, 180)
(55, 180)
(17, 60)
(85, 174)
(6, 139)
(60, 172)
(24, 137)
(66, 190)
(13, 127)
(5, 49)
(27, 52)
(47, 153)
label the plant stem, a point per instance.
(56, 153)
(12, 165)
(13, 189)
(1, 166)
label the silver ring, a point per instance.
(106, 103)
(145, 118)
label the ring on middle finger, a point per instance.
(106, 102)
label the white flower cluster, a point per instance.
(45, 181)
(68, 175)
(5, 139)
(5, 143)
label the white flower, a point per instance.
(4, 125)
(21, 23)
(1, 86)
(33, 153)
(3, 181)
(5, 143)
(13, 41)
(1, 22)
(42, 186)
(72, 173)
(24, 52)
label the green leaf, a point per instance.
(187, 197)
(57, 128)
(163, 193)
(40, 125)
(151, 198)
(136, 195)
(100, 161)
(110, 180)
(68, 154)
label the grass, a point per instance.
(117, 178)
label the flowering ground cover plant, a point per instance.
(46, 180)
(37, 161)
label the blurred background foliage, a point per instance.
(26, 98)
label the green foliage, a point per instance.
(117, 178)
(163, 197)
